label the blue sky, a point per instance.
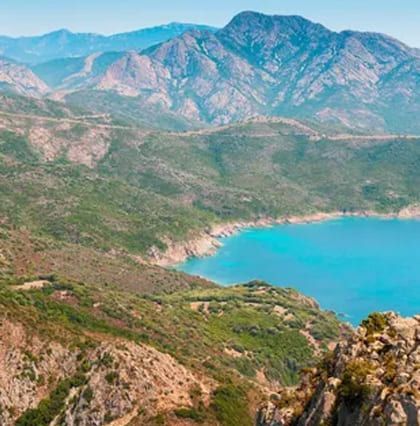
(399, 18)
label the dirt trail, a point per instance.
(313, 134)
(34, 285)
(79, 120)
(386, 137)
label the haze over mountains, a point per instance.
(64, 43)
(256, 65)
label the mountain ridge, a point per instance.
(64, 43)
(264, 65)
(16, 78)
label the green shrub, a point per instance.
(230, 405)
(158, 420)
(391, 368)
(245, 366)
(375, 323)
(111, 377)
(353, 388)
(51, 407)
(106, 360)
(88, 394)
(189, 413)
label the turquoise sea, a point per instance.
(352, 266)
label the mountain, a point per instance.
(371, 378)
(265, 65)
(95, 197)
(64, 43)
(16, 78)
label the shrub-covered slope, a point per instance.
(90, 355)
(90, 181)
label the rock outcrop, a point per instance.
(371, 379)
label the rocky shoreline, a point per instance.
(208, 242)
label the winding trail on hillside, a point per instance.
(308, 131)
(301, 127)
(79, 120)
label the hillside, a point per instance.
(94, 355)
(261, 65)
(90, 181)
(18, 79)
(371, 379)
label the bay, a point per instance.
(353, 266)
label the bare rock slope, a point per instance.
(259, 64)
(93, 384)
(20, 79)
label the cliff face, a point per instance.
(372, 379)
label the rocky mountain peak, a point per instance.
(257, 65)
(287, 23)
(59, 32)
(58, 38)
(251, 26)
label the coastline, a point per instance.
(208, 241)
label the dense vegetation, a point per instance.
(256, 323)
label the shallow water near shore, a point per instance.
(352, 266)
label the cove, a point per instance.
(353, 266)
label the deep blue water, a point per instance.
(352, 266)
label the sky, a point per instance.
(398, 18)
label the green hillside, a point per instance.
(238, 342)
(110, 187)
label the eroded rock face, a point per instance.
(371, 379)
(26, 364)
(135, 377)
